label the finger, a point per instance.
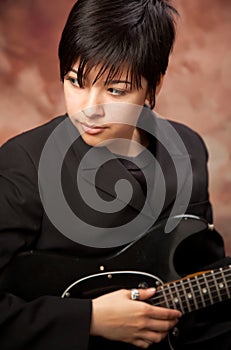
(157, 312)
(153, 337)
(142, 343)
(144, 293)
(162, 313)
(160, 325)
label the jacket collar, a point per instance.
(169, 152)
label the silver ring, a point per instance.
(135, 294)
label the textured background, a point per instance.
(196, 90)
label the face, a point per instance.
(102, 112)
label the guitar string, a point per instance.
(177, 285)
(192, 282)
(198, 278)
(185, 306)
(197, 293)
(191, 304)
(222, 292)
(194, 285)
(206, 299)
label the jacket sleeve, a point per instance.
(48, 322)
(200, 202)
(209, 327)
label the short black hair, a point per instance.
(115, 34)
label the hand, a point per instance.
(116, 317)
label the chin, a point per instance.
(93, 141)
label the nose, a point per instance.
(95, 107)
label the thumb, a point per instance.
(146, 293)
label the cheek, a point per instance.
(72, 102)
(67, 98)
(123, 130)
(123, 113)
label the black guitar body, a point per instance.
(35, 273)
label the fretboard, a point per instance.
(196, 291)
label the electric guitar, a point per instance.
(188, 294)
(146, 262)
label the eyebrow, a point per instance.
(110, 81)
(119, 82)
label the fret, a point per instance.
(205, 290)
(200, 292)
(164, 295)
(186, 297)
(174, 298)
(225, 281)
(178, 298)
(191, 295)
(220, 284)
(218, 294)
(208, 289)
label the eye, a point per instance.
(74, 81)
(116, 92)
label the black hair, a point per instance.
(115, 34)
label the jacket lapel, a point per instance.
(103, 171)
(170, 175)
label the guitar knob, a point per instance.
(175, 332)
(211, 227)
(143, 285)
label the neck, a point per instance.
(196, 291)
(130, 147)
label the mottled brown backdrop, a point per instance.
(197, 89)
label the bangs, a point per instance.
(111, 66)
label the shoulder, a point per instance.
(38, 134)
(199, 202)
(29, 144)
(191, 139)
(175, 136)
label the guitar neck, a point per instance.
(196, 291)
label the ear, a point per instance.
(158, 88)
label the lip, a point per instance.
(92, 129)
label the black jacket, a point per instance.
(49, 322)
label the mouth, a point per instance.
(92, 128)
